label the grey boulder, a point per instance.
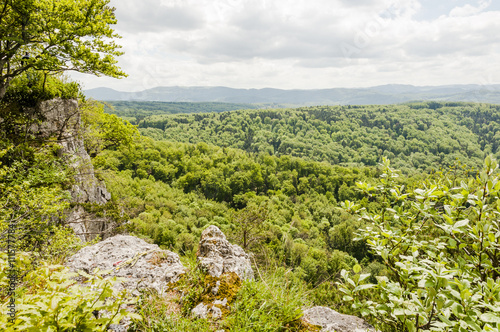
(217, 256)
(143, 265)
(331, 321)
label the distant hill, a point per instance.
(419, 135)
(385, 94)
(135, 111)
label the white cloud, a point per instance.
(301, 43)
(469, 10)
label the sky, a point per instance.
(304, 44)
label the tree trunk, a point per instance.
(3, 87)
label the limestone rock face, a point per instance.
(331, 321)
(217, 256)
(226, 265)
(144, 265)
(62, 119)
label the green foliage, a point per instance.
(28, 91)
(184, 187)
(135, 111)
(273, 303)
(423, 136)
(31, 199)
(440, 244)
(50, 299)
(158, 315)
(104, 131)
(59, 35)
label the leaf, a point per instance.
(490, 317)
(362, 287)
(461, 223)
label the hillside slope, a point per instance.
(414, 136)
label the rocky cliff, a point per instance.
(61, 119)
(225, 267)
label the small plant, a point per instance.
(50, 299)
(163, 313)
(271, 304)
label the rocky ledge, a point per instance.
(332, 321)
(143, 265)
(225, 266)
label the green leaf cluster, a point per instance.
(51, 299)
(58, 36)
(440, 244)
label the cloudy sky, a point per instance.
(305, 44)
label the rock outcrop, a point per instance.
(143, 265)
(226, 266)
(332, 321)
(217, 256)
(61, 118)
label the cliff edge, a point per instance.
(62, 119)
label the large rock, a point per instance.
(143, 265)
(226, 265)
(61, 119)
(217, 256)
(332, 321)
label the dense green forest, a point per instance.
(135, 111)
(423, 136)
(362, 239)
(390, 213)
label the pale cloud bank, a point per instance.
(305, 44)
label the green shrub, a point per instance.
(28, 90)
(162, 314)
(50, 299)
(440, 244)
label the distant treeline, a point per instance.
(424, 135)
(135, 111)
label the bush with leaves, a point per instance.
(102, 130)
(50, 299)
(441, 246)
(31, 199)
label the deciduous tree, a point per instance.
(58, 35)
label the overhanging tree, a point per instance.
(59, 35)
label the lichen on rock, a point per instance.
(224, 267)
(217, 256)
(330, 320)
(132, 258)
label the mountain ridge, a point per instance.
(383, 94)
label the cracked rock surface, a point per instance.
(331, 321)
(144, 265)
(217, 256)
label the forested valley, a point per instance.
(416, 136)
(149, 216)
(135, 111)
(318, 191)
(388, 212)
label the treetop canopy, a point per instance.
(59, 35)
